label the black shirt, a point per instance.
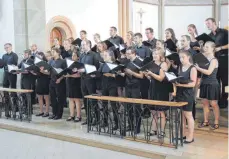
(10, 59)
(131, 80)
(116, 40)
(221, 39)
(153, 43)
(59, 63)
(143, 51)
(90, 58)
(66, 54)
(29, 76)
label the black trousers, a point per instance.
(26, 83)
(10, 81)
(88, 86)
(134, 110)
(222, 77)
(109, 90)
(144, 86)
(58, 97)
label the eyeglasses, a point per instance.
(6, 48)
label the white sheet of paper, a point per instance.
(12, 68)
(167, 52)
(69, 62)
(116, 46)
(26, 65)
(58, 70)
(89, 68)
(37, 60)
(121, 47)
(112, 66)
(170, 76)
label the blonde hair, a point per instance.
(161, 52)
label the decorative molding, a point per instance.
(65, 26)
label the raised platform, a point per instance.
(207, 144)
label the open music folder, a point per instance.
(171, 77)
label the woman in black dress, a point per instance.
(171, 40)
(194, 44)
(42, 87)
(73, 87)
(185, 92)
(158, 90)
(209, 87)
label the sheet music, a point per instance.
(37, 60)
(111, 66)
(121, 47)
(26, 65)
(69, 62)
(58, 70)
(170, 76)
(167, 52)
(89, 68)
(12, 68)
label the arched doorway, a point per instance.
(55, 33)
(59, 27)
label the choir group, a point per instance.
(152, 69)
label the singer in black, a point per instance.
(109, 87)
(209, 87)
(143, 52)
(57, 86)
(132, 89)
(158, 90)
(9, 79)
(185, 92)
(42, 86)
(221, 53)
(88, 82)
(73, 86)
(27, 78)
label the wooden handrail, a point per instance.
(15, 90)
(137, 101)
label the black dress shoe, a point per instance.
(8, 116)
(188, 142)
(40, 114)
(70, 118)
(56, 118)
(84, 123)
(45, 115)
(52, 117)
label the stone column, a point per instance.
(29, 24)
(125, 11)
(161, 18)
(217, 11)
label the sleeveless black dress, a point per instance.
(209, 87)
(42, 84)
(185, 94)
(73, 87)
(159, 91)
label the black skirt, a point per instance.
(42, 85)
(210, 91)
(73, 86)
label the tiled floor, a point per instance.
(16, 145)
(206, 146)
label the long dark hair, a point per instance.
(42, 55)
(187, 53)
(173, 38)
